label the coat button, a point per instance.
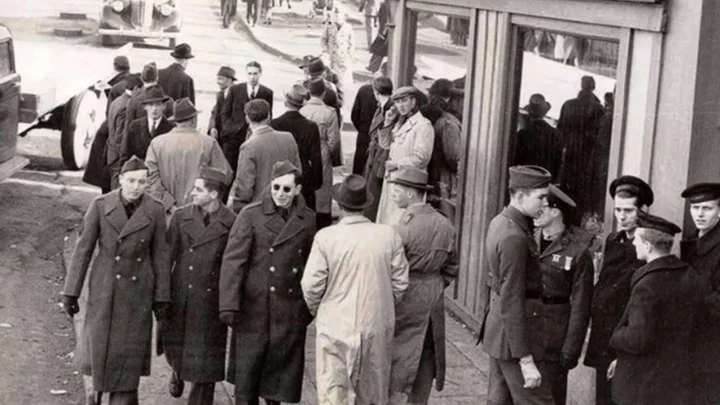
(272, 269)
(209, 290)
(189, 285)
(139, 259)
(134, 278)
(300, 251)
(117, 258)
(289, 290)
(271, 250)
(118, 277)
(142, 240)
(191, 268)
(272, 289)
(294, 269)
(191, 250)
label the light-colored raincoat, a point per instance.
(326, 119)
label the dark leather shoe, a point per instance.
(176, 386)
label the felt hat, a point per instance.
(702, 192)
(537, 106)
(182, 51)
(352, 193)
(213, 174)
(149, 73)
(529, 177)
(559, 199)
(316, 85)
(228, 72)
(183, 110)
(132, 81)
(282, 168)
(154, 94)
(133, 164)
(296, 96)
(410, 176)
(635, 186)
(645, 220)
(405, 91)
(306, 60)
(315, 67)
(121, 63)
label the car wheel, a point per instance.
(82, 116)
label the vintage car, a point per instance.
(9, 108)
(141, 19)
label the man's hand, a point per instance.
(214, 133)
(568, 362)
(161, 310)
(611, 370)
(229, 318)
(71, 305)
(391, 115)
(530, 373)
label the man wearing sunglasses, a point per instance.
(260, 293)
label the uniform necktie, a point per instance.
(206, 218)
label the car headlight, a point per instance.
(118, 6)
(166, 9)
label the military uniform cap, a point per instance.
(529, 177)
(213, 174)
(634, 186)
(135, 163)
(282, 168)
(559, 199)
(648, 221)
(702, 192)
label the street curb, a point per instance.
(267, 48)
(68, 32)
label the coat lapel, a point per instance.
(220, 225)
(138, 221)
(554, 247)
(293, 226)
(192, 225)
(278, 226)
(708, 241)
(114, 211)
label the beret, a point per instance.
(635, 186)
(648, 221)
(560, 199)
(213, 174)
(282, 168)
(529, 177)
(702, 192)
(135, 163)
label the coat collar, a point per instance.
(518, 217)
(556, 245)
(355, 219)
(284, 231)
(176, 66)
(220, 224)
(116, 216)
(291, 114)
(315, 101)
(707, 242)
(670, 262)
(265, 129)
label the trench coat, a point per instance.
(129, 274)
(326, 120)
(429, 240)
(260, 280)
(176, 83)
(652, 339)
(339, 44)
(703, 254)
(356, 274)
(610, 296)
(193, 336)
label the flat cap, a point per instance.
(559, 199)
(635, 186)
(529, 177)
(702, 192)
(282, 168)
(133, 164)
(404, 92)
(645, 220)
(213, 174)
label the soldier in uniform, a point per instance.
(512, 329)
(194, 338)
(430, 247)
(702, 251)
(612, 291)
(567, 281)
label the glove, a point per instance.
(161, 310)
(71, 305)
(568, 362)
(229, 318)
(530, 373)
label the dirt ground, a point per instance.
(35, 369)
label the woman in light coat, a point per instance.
(409, 137)
(338, 42)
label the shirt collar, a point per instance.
(355, 219)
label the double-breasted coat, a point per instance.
(176, 83)
(129, 274)
(194, 338)
(260, 280)
(652, 339)
(326, 120)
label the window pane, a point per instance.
(564, 119)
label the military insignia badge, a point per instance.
(568, 263)
(556, 259)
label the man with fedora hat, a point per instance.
(538, 143)
(374, 171)
(611, 293)
(307, 138)
(135, 110)
(355, 276)
(701, 249)
(512, 329)
(430, 247)
(116, 120)
(129, 280)
(140, 132)
(315, 68)
(174, 159)
(260, 295)
(653, 337)
(193, 337)
(173, 79)
(225, 79)
(567, 271)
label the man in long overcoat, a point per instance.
(225, 79)
(430, 247)
(175, 82)
(363, 111)
(702, 251)
(307, 138)
(512, 331)
(653, 337)
(374, 171)
(130, 278)
(194, 338)
(116, 120)
(612, 290)
(260, 294)
(355, 276)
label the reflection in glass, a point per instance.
(562, 124)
